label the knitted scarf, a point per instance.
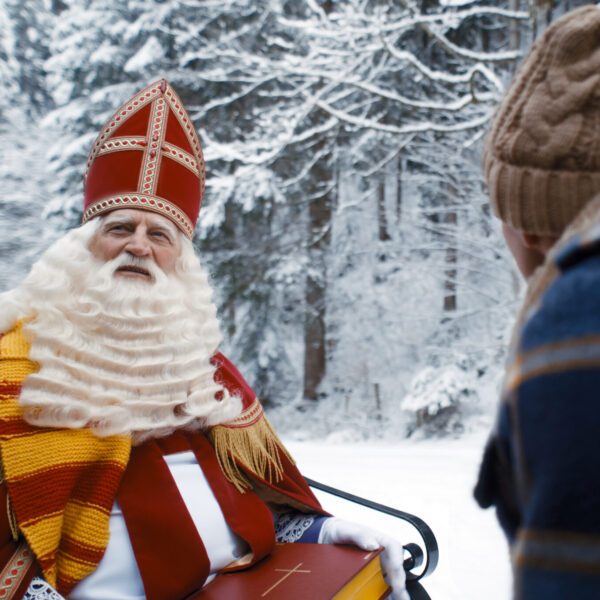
(62, 482)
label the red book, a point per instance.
(304, 572)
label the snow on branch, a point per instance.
(497, 57)
(365, 25)
(452, 18)
(442, 76)
(417, 127)
(454, 106)
(259, 152)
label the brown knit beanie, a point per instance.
(541, 155)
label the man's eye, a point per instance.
(161, 235)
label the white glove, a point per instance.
(340, 531)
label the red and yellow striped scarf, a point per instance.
(61, 483)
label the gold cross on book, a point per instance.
(321, 572)
(287, 572)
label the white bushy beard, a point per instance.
(118, 354)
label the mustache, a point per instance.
(137, 264)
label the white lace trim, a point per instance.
(41, 590)
(289, 527)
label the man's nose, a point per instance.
(138, 244)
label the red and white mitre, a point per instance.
(147, 156)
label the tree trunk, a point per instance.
(450, 221)
(382, 221)
(319, 237)
(514, 28)
(399, 178)
(450, 272)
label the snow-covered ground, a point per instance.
(432, 479)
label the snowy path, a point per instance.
(432, 479)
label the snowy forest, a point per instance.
(361, 279)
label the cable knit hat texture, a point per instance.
(541, 155)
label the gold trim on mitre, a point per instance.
(147, 202)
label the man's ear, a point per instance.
(531, 240)
(541, 243)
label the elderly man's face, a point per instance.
(139, 233)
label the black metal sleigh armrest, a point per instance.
(416, 556)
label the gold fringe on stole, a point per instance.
(256, 447)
